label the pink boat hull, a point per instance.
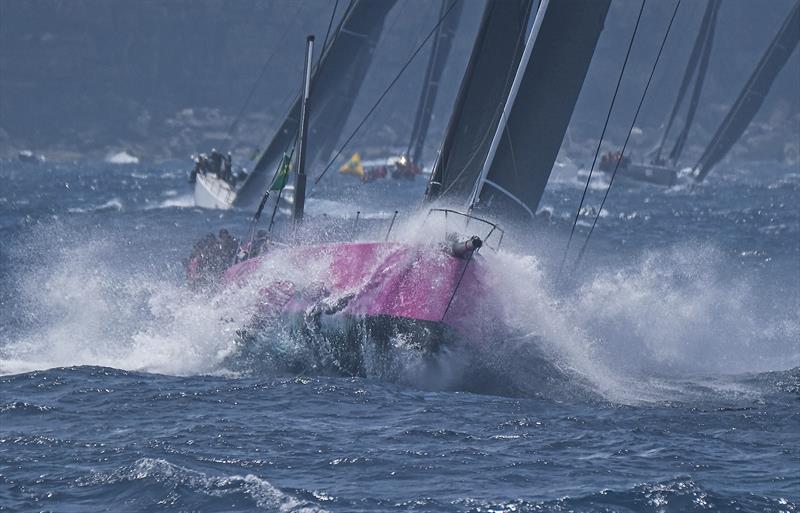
(373, 279)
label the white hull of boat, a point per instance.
(657, 175)
(211, 192)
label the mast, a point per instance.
(442, 44)
(336, 82)
(680, 142)
(701, 49)
(752, 96)
(300, 179)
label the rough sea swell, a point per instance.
(664, 376)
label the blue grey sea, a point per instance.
(659, 374)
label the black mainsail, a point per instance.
(484, 88)
(752, 96)
(698, 61)
(442, 43)
(483, 91)
(512, 182)
(335, 85)
(500, 147)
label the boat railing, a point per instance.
(493, 237)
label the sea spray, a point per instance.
(669, 314)
(680, 311)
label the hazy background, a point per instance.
(162, 79)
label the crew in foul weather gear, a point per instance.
(609, 161)
(195, 170)
(216, 162)
(209, 258)
(404, 168)
(374, 174)
(218, 165)
(227, 169)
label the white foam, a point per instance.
(112, 204)
(122, 157)
(261, 491)
(174, 201)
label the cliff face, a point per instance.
(164, 79)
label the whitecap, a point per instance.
(123, 157)
(262, 492)
(114, 204)
(174, 201)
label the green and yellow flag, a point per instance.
(282, 175)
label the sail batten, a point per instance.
(752, 96)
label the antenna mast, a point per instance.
(300, 179)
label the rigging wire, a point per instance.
(264, 68)
(330, 24)
(385, 92)
(627, 138)
(600, 141)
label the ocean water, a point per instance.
(660, 373)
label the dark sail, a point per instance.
(335, 85)
(430, 85)
(753, 94)
(479, 104)
(701, 52)
(538, 119)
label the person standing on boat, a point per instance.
(195, 170)
(216, 163)
(200, 266)
(228, 247)
(203, 164)
(227, 169)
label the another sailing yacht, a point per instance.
(661, 170)
(752, 96)
(664, 171)
(336, 81)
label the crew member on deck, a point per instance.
(227, 169)
(205, 166)
(216, 162)
(195, 170)
(228, 246)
